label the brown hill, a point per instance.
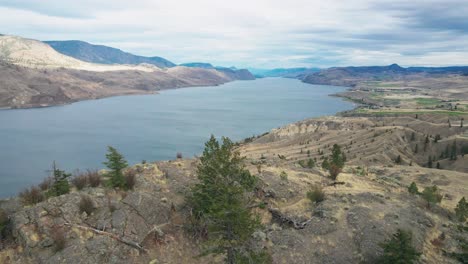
(148, 224)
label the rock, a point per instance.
(46, 242)
(259, 236)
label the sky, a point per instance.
(256, 33)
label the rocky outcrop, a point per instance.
(149, 223)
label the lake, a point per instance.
(150, 127)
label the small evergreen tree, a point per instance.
(398, 160)
(461, 210)
(60, 183)
(399, 249)
(337, 161)
(416, 149)
(431, 195)
(116, 163)
(453, 151)
(438, 165)
(325, 164)
(426, 142)
(220, 202)
(413, 188)
(429, 162)
(413, 136)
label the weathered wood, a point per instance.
(111, 235)
(288, 220)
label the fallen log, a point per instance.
(111, 235)
(296, 224)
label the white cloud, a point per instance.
(261, 33)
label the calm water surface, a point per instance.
(150, 127)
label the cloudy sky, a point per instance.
(256, 33)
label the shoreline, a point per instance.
(240, 140)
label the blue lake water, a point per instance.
(150, 127)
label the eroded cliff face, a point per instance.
(147, 224)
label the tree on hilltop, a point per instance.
(220, 202)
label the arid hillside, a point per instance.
(367, 203)
(23, 87)
(32, 74)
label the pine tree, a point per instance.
(116, 163)
(431, 195)
(461, 210)
(429, 162)
(413, 189)
(416, 149)
(310, 163)
(438, 165)
(220, 201)
(398, 160)
(413, 136)
(453, 151)
(426, 142)
(325, 164)
(60, 183)
(399, 249)
(337, 161)
(447, 151)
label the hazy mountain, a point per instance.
(102, 54)
(233, 72)
(282, 72)
(198, 65)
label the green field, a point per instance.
(427, 101)
(441, 112)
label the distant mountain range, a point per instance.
(103, 54)
(351, 76)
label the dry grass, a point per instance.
(59, 237)
(80, 181)
(93, 178)
(31, 196)
(130, 179)
(46, 183)
(86, 205)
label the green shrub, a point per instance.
(413, 189)
(316, 194)
(399, 249)
(461, 210)
(60, 183)
(431, 195)
(284, 176)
